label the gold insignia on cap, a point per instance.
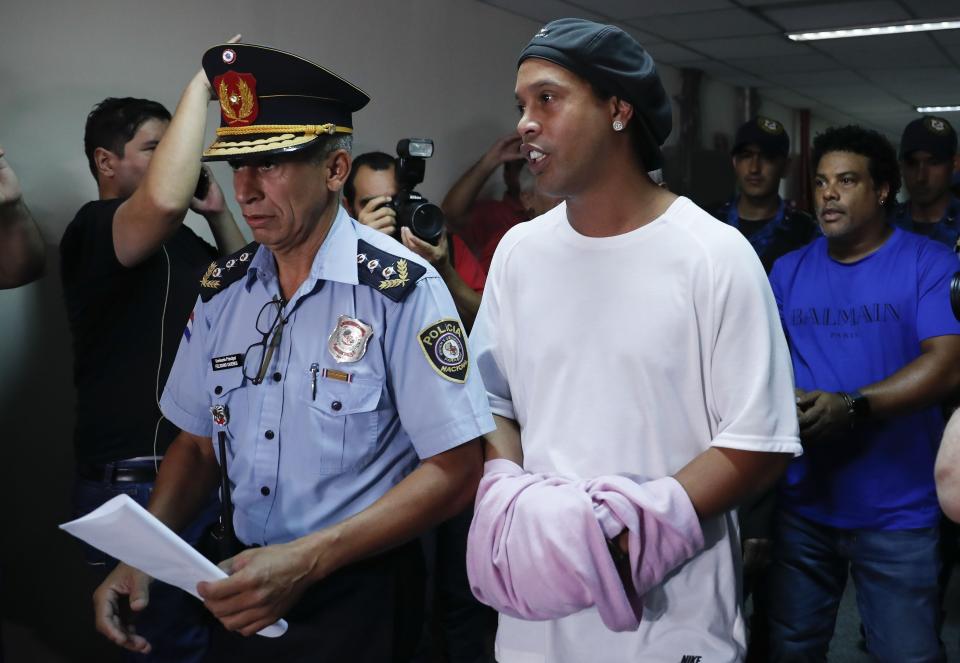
(269, 142)
(237, 105)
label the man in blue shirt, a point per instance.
(875, 349)
(928, 150)
(331, 364)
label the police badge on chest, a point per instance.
(348, 342)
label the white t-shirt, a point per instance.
(634, 354)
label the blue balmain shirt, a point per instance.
(853, 324)
(319, 441)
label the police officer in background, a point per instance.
(928, 150)
(772, 225)
(331, 362)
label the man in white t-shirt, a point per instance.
(628, 332)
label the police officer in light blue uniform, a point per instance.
(331, 363)
(350, 389)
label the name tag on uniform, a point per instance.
(227, 361)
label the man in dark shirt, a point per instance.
(928, 150)
(772, 225)
(130, 271)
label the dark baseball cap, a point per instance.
(931, 134)
(613, 61)
(764, 132)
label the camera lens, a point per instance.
(426, 222)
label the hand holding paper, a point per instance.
(264, 583)
(125, 530)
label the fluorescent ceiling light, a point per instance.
(922, 25)
(938, 109)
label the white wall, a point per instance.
(435, 68)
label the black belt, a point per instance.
(117, 472)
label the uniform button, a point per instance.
(277, 377)
(264, 491)
(269, 434)
(336, 405)
(218, 390)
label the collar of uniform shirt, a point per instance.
(335, 261)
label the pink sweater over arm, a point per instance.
(537, 547)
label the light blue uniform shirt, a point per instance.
(299, 462)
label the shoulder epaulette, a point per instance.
(221, 273)
(392, 276)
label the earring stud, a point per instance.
(617, 125)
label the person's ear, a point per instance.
(105, 162)
(621, 112)
(883, 193)
(338, 169)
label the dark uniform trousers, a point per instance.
(368, 612)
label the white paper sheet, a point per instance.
(126, 531)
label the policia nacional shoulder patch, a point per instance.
(445, 347)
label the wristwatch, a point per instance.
(858, 406)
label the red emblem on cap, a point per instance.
(238, 98)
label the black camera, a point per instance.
(424, 219)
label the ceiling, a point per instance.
(875, 81)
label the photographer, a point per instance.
(368, 193)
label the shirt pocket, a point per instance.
(345, 416)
